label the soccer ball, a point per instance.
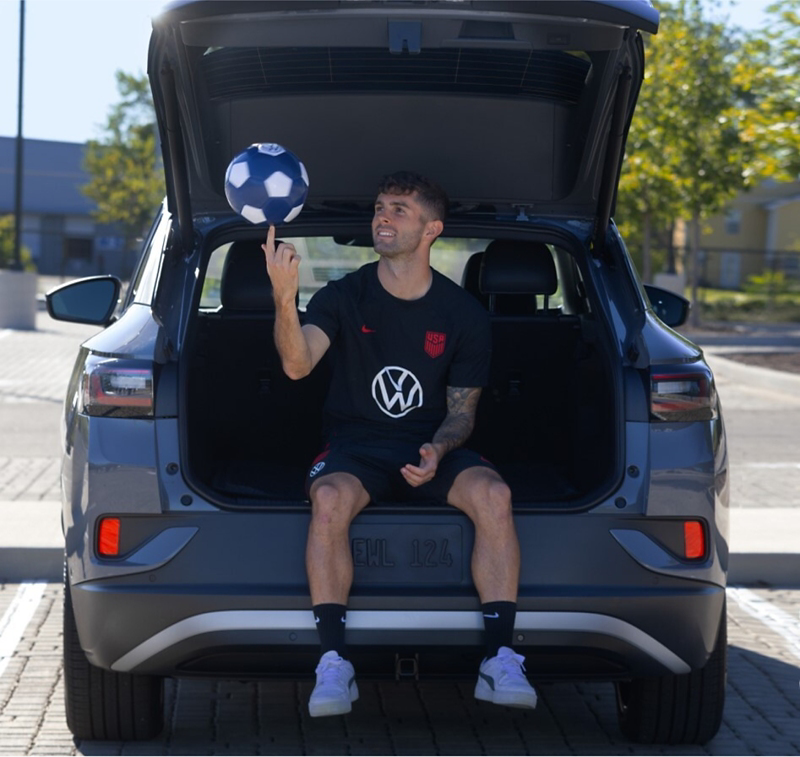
(266, 184)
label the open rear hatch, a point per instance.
(510, 105)
(520, 109)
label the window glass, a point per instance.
(324, 259)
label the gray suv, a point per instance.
(186, 446)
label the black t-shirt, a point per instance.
(393, 359)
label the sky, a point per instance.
(74, 47)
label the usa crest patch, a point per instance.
(434, 343)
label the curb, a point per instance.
(754, 375)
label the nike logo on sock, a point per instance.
(316, 619)
(496, 615)
(365, 330)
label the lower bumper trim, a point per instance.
(395, 620)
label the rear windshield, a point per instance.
(324, 260)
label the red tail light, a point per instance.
(694, 540)
(120, 388)
(678, 396)
(108, 537)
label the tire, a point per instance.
(677, 709)
(104, 705)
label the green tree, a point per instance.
(7, 246)
(694, 142)
(769, 78)
(648, 199)
(127, 179)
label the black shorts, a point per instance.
(377, 464)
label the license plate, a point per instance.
(401, 553)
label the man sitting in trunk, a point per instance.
(410, 353)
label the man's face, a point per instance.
(400, 224)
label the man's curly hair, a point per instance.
(432, 197)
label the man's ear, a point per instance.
(434, 229)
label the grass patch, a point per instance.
(725, 305)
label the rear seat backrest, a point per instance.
(261, 410)
(514, 268)
(519, 418)
(245, 284)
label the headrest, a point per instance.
(470, 278)
(245, 284)
(514, 267)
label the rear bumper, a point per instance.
(141, 634)
(226, 593)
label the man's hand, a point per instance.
(416, 475)
(282, 265)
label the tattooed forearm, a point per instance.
(460, 420)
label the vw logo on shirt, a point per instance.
(397, 391)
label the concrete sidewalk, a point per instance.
(764, 545)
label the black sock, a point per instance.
(498, 620)
(330, 626)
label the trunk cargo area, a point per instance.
(548, 419)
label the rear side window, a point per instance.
(325, 259)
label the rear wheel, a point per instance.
(677, 709)
(104, 705)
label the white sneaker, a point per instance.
(336, 688)
(501, 680)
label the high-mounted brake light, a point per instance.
(108, 537)
(694, 540)
(678, 396)
(120, 388)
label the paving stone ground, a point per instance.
(762, 713)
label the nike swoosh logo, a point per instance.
(496, 615)
(316, 619)
(365, 330)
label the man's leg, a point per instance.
(483, 495)
(335, 500)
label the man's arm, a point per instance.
(462, 404)
(300, 348)
(455, 429)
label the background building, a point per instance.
(760, 232)
(57, 224)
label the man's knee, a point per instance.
(335, 500)
(483, 495)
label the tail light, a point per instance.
(108, 537)
(118, 388)
(694, 540)
(680, 395)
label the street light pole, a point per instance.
(18, 168)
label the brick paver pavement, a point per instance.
(35, 367)
(762, 714)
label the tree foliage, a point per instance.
(717, 114)
(7, 246)
(127, 182)
(769, 79)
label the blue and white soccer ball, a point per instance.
(266, 183)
